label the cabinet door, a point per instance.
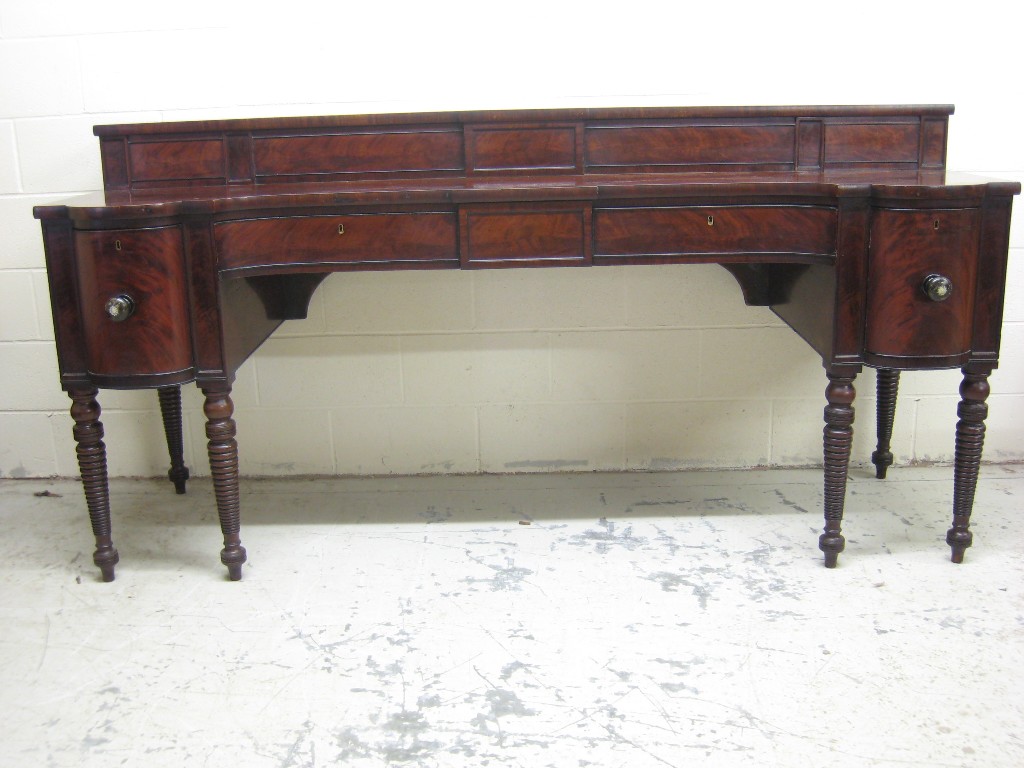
(907, 327)
(146, 269)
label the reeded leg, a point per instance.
(838, 434)
(223, 451)
(170, 408)
(970, 437)
(92, 462)
(887, 386)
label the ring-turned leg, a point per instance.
(838, 436)
(970, 437)
(223, 451)
(92, 462)
(888, 385)
(170, 409)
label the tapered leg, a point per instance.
(170, 408)
(887, 386)
(92, 462)
(970, 437)
(223, 451)
(838, 434)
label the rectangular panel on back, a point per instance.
(683, 146)
(521, 148)
(358, 153)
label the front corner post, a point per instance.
(223, 452)
(970, 438)
(838, 437)
(92, 463)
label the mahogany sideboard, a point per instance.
(843, 220)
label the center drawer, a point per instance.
(351, 238)
(627, 234)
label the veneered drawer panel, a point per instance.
(672, 146)
(148, 265)
(358, 153)
(906, 247)
(347, 238)
(521, 148)
(521, 235)
(714, 229)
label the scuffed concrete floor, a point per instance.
(638, 620)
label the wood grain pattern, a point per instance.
(382, 152)
(521, 148)
(150, 268)
(525, 235)
(856, 143)
(194, 160)
(677, 231)
(676, 146)
(327, 240)
(903, 324)
(831, 215)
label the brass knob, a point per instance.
(119, 308)
(937, 287)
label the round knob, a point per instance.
(937, 287)
(120, 307)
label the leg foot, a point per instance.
(92, 462)
(838, 436)
(223, 451)
(887, 387)
(170, 409)
(970, 438)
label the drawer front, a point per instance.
(542, 234)
(907, 247)
(148, 266)
(344, 239)
(696, 230)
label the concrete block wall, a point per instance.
(508, 370)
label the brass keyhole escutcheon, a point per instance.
(341, 229)
(711, 221)
(935, 224)
(117, 245)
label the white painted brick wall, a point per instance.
(504, 370)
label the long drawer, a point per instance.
(337, 239)
(628, 233)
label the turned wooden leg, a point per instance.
(92, 462)
(838, 434)
(223, 451)
(170, 408)
(887, 386)
(970, 437)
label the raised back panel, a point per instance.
(567, 142)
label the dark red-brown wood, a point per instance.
(832, 216)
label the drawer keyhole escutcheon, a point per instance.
(711, 221)
(935, 224)
(937, 287)
(341, 229)
(117, 245)
(119, 308)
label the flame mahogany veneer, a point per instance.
(210, 234)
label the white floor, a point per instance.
(604, 620)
